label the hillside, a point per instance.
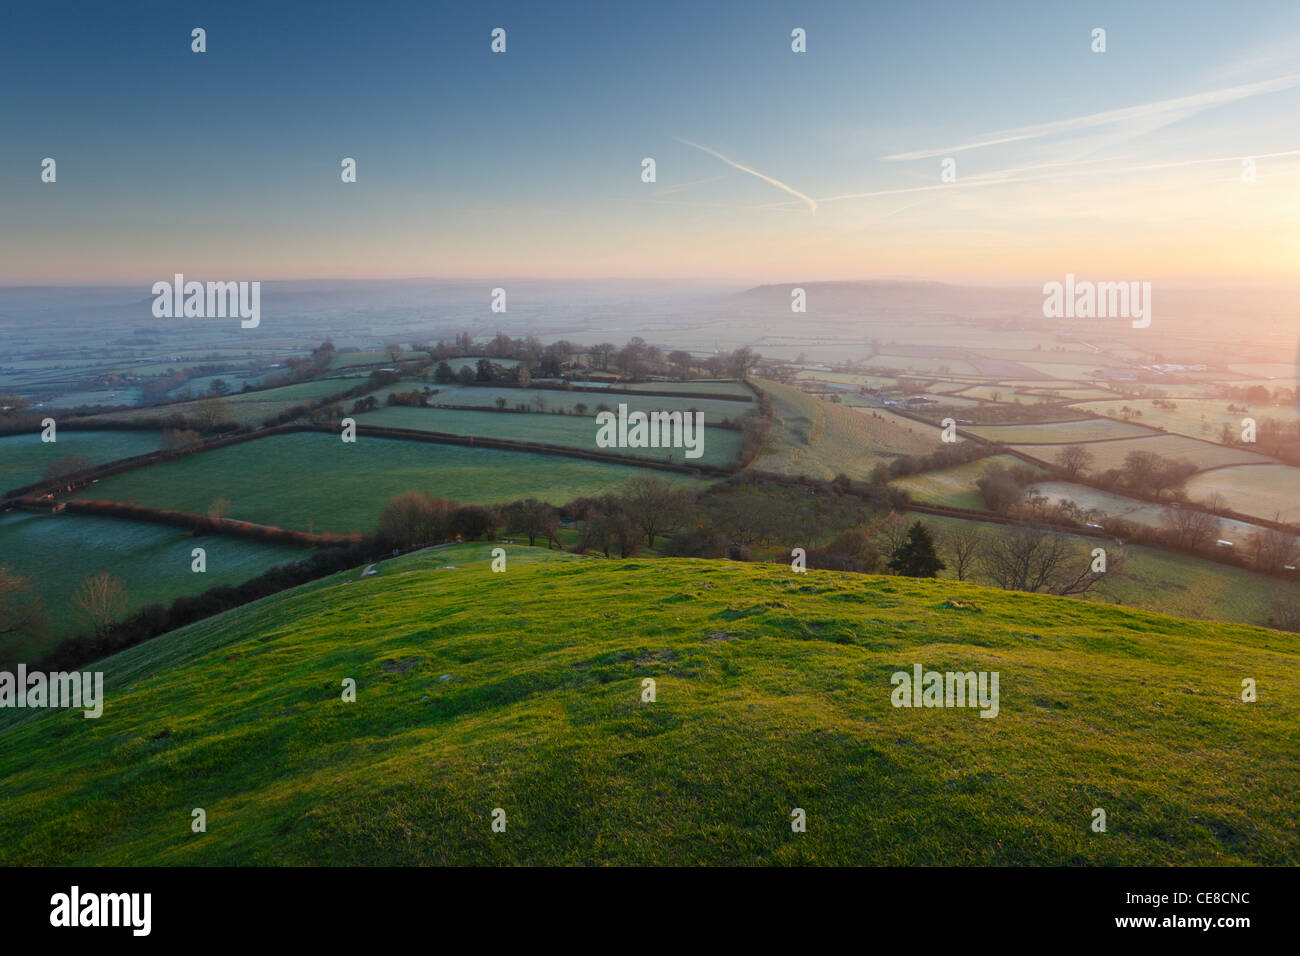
(522, 691)
(821, 439)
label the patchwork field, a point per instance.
(821, 439)
(350, 482)
(57, 552)
(773, 692)
(1258, 490)
(1065, 433)
(1198, 418)
(23, 458)
(1110, 454)
(721, 445)
(954, 487)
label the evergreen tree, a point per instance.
(916, 557)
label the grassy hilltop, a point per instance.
(522, 691)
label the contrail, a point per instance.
(1192, 103)
(812, 203)
(1001, 178)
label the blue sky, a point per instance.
(528, 163)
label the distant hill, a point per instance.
(522, 691)
(896, 298)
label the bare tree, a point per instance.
(1074, 460)
(1217, 504)
(1286, 613)
(20, 606)
(210, 411)
(1190, 527)
(1271, 549)
(893, 530)
(655, 506)
(66, 467)
(176, 439)
(102, 598)
(532, 518)
(1027, 559)
(962, 545)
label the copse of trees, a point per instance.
(416, 519)
(655, 506)
(855, 549)
(533, 519)
(1148, 473)
(946, 456)
(1004, 488)
(607, 527)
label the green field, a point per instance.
(1258, 490)
(1088, 429)
(721, 445)
(1171, 583)
(821, 439)
(57, 552)
(314, 481)
(246, 408)
(955, 487)
(351, 359)
(485, 396)
(1110, 454)
(711, 387)
(23, 458)
(522, 691)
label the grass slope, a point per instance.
(522, 691)
(153, 562)
(822, 439)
